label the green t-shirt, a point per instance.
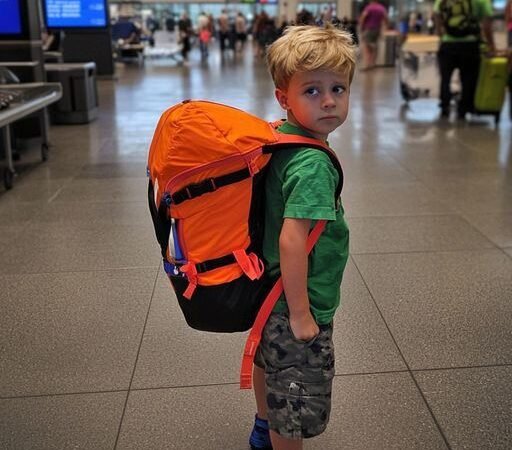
(301, 184)
(480, 8)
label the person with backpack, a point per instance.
(312, 69)
(460, 24)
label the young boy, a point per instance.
(312, 68)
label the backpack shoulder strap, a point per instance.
(253, 340)
(294, 140)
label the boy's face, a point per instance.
(316, 101)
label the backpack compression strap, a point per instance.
(253, 340)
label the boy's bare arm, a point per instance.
(294, 270)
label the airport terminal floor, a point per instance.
(95, 354)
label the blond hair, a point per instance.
(307, 47)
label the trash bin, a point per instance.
(387, 49)
(79, 102)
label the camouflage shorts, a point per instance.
(298, 377)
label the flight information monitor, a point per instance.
(10, 17)
(75, 13)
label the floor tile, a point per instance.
(374, 173)
(199, 418)
(101, 190)
(362, 342)
(8, 233)
(35, 192)
(472, 405)
(497, 227)
(71, 332)
(88, 246)
(14, 213)
(173, 354)
(475, 175)
(119, 170)
(376, 412)
(414, 233)
(53, 169)
(474, 197)
(105, 213)
(369, 412)
(87, 421)
(397, 199)
(444, 309)
(442, 154)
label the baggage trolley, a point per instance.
(417, 67)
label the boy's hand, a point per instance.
(304, 326)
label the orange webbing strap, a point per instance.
(253, 340)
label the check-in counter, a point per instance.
(79, 102)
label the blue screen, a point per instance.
(10, 17)
(75, 13)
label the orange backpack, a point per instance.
(206, 196)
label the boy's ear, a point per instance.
(282, 98)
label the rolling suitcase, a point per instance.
(491, 87)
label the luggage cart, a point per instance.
(28, 98)
(417, 67)
(419, 72)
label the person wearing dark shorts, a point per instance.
(298, 395)
(371, 21)
(312, 68)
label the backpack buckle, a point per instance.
(210, 185)
(197, 189)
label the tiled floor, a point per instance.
(94, 353)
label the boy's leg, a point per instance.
(281, 443)
(259, 438)
(260, 392)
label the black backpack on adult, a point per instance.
(459, 19)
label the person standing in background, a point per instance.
(223, 22)
(460, 24)
(185, 30)
(241, 31)
(373, 18)
(204, 41)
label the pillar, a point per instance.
(288, 9)
(344, 8)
